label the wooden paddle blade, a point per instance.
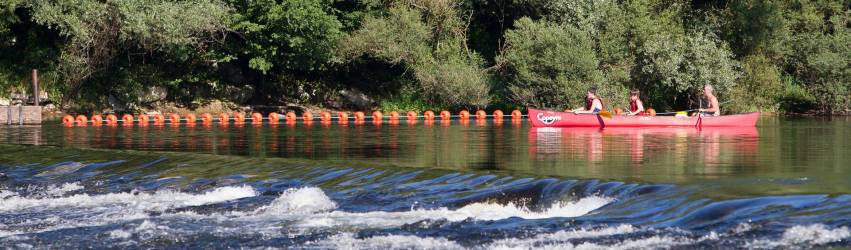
(605, 114)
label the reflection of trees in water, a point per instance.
(677, 150)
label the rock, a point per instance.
(237, 94)
(3, 177)
(357, 99)
(117, 105)
(50, 107)
(5, 102)
(152, 94)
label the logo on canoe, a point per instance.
(548, 119)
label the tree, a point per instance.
(428, 38)
(98, 31)
(547, 64)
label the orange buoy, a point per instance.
(618, 111)
(516, 115)
(144, 119)
(412, 116)
(159, 119)
(256, 117)
(111, 119)
(359, 116)
(464, 115)
(394, 116)
(274, 117)
(206, 118)
(68, 120)
(497, 114)
(82, 120)
(342, 117)
(239, 117)
(651, 112)
(307, 116)
(325, 116)
(190, 118)
(445, 115)
(224, 118)
(429, 115)
(97, 120)
(481, 115)
(174, 118)
(290, 117)
(127, 119)
(377, 115)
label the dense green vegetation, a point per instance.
(787, 56)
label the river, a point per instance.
(462, 185)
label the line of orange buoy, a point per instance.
(290, 117)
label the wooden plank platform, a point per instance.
(17, 115)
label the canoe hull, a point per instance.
(544, 118)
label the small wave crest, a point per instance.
(159, 200)
(815, 234)
(300, 201)
(316, 209)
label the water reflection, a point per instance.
(652, 154)
(710, 147)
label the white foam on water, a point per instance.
(96, 210)
(653, 242)
(159, 200)
(299, 209)
(6, 193)
(301, 201)
(316, 209)
(119, 234)
(815, 234)
(54, 190)
(348, 241)
(543, 239)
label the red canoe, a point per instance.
(544, 118)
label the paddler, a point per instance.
(713, 109)
(593, 104)
(636, 107)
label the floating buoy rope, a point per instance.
(358, 117)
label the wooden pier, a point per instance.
(20, 115)
(23, 114)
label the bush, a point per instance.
(758, 89)
(432, 45)
(547, 64)
(794, 98)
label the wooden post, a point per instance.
(35, 88)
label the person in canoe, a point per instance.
(636, 107)
(713, 109)
(593, 104)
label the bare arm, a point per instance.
(713, 106)
(596, 105)
(640, 108)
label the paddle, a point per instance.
(605, 114)
(675, 112)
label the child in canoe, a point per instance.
(636, 107)
(593, 104)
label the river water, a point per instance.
(463, 185)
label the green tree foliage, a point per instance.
(759, 87)
(285, 35)
(99, 31)
(547, 64)
(415, 54)
(821, 51)
(429, 39)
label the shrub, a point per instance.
(548, 64)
